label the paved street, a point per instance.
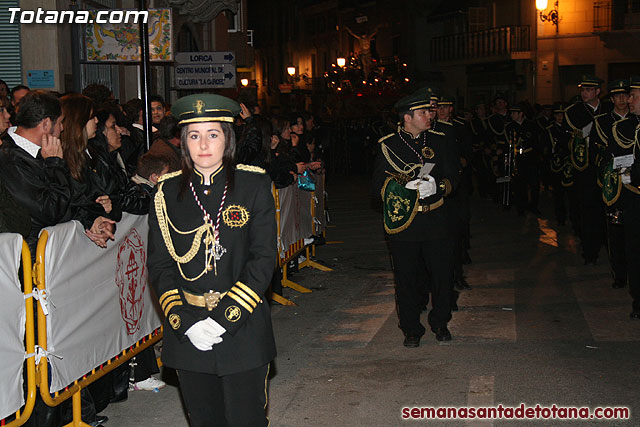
(538, 327)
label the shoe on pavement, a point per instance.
(99, 421)
(150, 384)
(635, 314)
(411, 341)
(442, 334)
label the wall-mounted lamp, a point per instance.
(291, 70)
(341, 62)
(244, 82)
(552, 16)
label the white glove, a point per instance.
(205, 333)
(426, 187)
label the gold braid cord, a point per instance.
(622, 141)
(205, 229)
(408, 168)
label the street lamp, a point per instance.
(244, 82)
(341, 62)
(291, 70)
(552, 16)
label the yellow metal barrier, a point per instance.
(23, 416)
(42, 371)
(308, 262)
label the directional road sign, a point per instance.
(205, 70)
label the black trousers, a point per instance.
(592, 218)
(526, 184)
(236, 400)
(617, 253)
(632, 245)
(411, 261)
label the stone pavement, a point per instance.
(538, 327)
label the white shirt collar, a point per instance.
(139, 126)
(23, 142)
(596, 107)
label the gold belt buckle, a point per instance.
(212, 299)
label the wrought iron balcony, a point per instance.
(493, 44)
(616, 15)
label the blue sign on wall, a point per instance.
(40, 79)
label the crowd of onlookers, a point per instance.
(84, 157)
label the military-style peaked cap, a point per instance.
(634, 82)
(618, 86)
(558, 107)
(205, 107)
(589, 80)
(445, 100)
(419, 99)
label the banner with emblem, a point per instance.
(399, 206)
(579, 151)
(566, 177)
(12, 318)
(611, 184)
(99, 299)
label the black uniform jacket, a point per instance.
(626, 134)
(248, 233)
(42, 186)
(396, 156)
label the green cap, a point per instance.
(445, 100)
(558, 107)
(417, 100)
(516, 108)
(618, 86)
(589, 80)
(205, 107)
(634, 82)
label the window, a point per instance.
(10, 51)
(234, 20)
(477, 19)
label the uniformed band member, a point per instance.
(461, 133)
(497, 123)
(600, 138)
(522, 134)
(417, 217)
(558, 138)
(625, 183)
(212, 252)
(579, 118)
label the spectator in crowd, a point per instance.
(14, 218)
(112, 123)
(4, 90)
(250, 140)
(17, 93)
(158, 109)
(5, 115)
(32, 166)
(133, 111)
(100, 94)
(109, 146)
(89, 190)
(167, 142)
(150, 168)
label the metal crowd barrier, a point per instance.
(291, 233)
(22, 416)
(42, 372)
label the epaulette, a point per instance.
(445, 123)
(436, 132)
(248, 168)
(460, 121)
(600, 115)
(167, 176)
(386, 136)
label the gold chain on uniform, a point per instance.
(205, 229)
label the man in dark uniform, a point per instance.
(482, 152)
(523, 135)
(460, 199)
(625, 181)
(600, 138)
(497, 123)
(556, 138)
(417, 217)
(579, 119)
(212, 251)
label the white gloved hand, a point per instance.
(203, 334)
(426, 187)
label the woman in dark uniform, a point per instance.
(212, 252)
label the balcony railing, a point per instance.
(491, 43)
(616, 15)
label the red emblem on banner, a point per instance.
(131, 278)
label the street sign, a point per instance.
(205, 70)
